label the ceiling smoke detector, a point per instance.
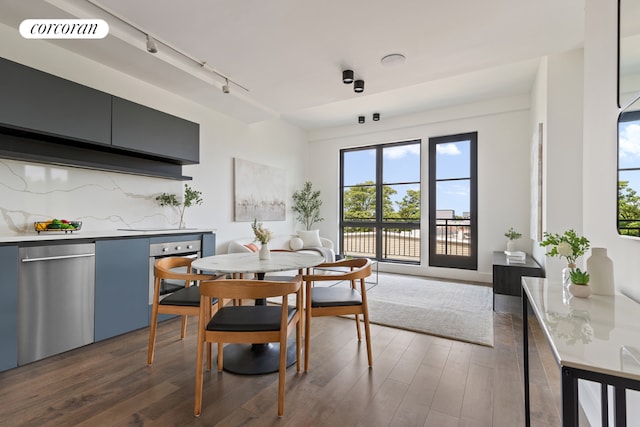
(392, 59)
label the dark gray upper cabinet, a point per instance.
(39, 102)
(145, 130)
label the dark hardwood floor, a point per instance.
(416, 380)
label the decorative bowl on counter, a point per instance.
(57, 225)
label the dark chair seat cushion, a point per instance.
(334, 297)
(248, 318)
(188, 297)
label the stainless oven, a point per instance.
(187, 248)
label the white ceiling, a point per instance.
(290, 53)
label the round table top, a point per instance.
(250, 262)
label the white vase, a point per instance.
(511, 245)
(264, 252)
(580, 291)
(600, 268)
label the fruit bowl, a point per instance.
(57, 225)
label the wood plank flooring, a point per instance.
(416, 380)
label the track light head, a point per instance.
(347, 77)
(151, 45)
(225, 86)
(360, 119)
(358, 86)
(376, 117)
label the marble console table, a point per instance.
(596, 339)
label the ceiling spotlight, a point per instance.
(225, 87)
(376, 117)
(151, 45)
(347, 77)
(393, 59)
(360, 119)
(358, 86)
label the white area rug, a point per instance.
(463, 312)
(447, 309)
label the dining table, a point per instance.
(254, 359)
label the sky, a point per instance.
(402, 164)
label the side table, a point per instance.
(507, 276)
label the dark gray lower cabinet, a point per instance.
(8, 307)
(122, 286)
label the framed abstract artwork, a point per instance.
(259, 192)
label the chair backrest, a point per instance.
(163, 269)
(359, 268)
(248, 289)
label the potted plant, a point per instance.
(512, 235)
(568, 245)
(306, 203)
(191, 198)
(579, 286)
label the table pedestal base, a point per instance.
(254, 359)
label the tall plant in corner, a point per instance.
(191, 198)
(306, 203)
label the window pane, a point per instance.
(359, 167)
(359, 241)
(402, 202)
(629, 144)
(453, 197)
(360, 203)
(401, 245)
(453, 160)
(401, 163)
(629, 203)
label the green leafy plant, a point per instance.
(568, 245)
(306, 203)
(262, 234)
(579, 277)
(190, 198)
(512, 234)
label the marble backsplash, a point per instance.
(32, 192)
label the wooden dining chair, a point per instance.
(247, 324)
(183, 302)
(336, 300)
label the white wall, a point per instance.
(560, 85)
(503, 170)
(104, 200)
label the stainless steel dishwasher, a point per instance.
(56, 288)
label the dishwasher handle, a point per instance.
(57, 257)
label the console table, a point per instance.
(595, 339)
(507, 276)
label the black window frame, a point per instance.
(378, 224)
(445, 260)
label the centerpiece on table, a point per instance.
(568, 245)
(263, 235)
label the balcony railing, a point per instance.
(453, 237)
(397, 244)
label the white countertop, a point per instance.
(96, 234)
(598, 334)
